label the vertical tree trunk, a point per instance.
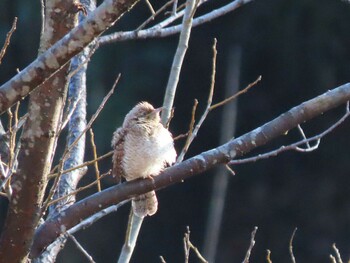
(38, 142)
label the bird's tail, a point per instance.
(146, 204)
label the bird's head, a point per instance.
(142, 113)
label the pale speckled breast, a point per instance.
(148, 154)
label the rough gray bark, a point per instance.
(38, 143)
(60, 53)
(76, 125)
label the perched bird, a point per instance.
(142, 148)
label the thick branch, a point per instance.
(53, 227)
(60, 53)
(38, 143)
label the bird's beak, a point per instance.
(155, 112)
(158, 110)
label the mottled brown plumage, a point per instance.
(142, 148)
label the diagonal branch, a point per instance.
(60, 53)
(7, 40)
(48, 231)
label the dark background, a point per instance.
(301, 48)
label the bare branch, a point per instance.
(160, 31)
(332, 259)
(174, 7)
(80, 248)
(97, 181)
(134, 226)
(188, 246)
(52, 175)
(93, 118)
(268, 256)
(62, 51)
(150, 7)
(160, 10)
(189, 133)
(95, 217)
(178, 60)
(337, 253)
(94, 151)
(221, 103)
(8, 39)
(303, 135)
(230, 170)
(193, 134)
(251, 245)
(291, 246)
(294, 146)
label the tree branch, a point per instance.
(38, 143)
(60, 53)
(156, 31)
(53, 227)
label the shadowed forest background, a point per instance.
(301, 49)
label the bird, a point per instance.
(142, 148)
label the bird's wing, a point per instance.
(118, 147)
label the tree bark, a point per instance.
(38, 143)
(59, 54)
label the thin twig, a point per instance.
(188, 246)
(162, 260)
(206, 111)
(251, 245)
(150, 7)
(92, 51)
(53, 175)
(71, 146)
(337, 253)
(161, 29)
(97, 171)
(291, 246)
(82, 188)
(8, 39)
(190, 132)
(250, 85)
(180, 11)
(268, 256)
(82, 250)
(10, 131)
(332, 259)
(294, 146)
(52, 191)
(231, 171)
(174, 8)
(303, 135)
(95, 217)
(70, 110)
(13, 132)
(154, 15)
(42, 12)
(93, 118)
(180, 136)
